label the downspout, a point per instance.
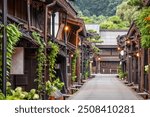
(45, 37)
(28, 13)
(46, 13)
(77, 33)
(78, 59)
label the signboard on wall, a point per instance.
(17, 67)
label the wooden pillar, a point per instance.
(4, 47)
(127, 66)
(134, 70)
(142, 71)
(149, 71)
(82, 57)
(139, 71)
(78, 70)
(66, 52)
(130, 69)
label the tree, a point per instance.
(97, 7)
(127, 12)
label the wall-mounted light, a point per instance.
(118, 48)
(71, 55)
(99, 58)
(128, 41)
(66, 28)
(137, 54)
(122, 52)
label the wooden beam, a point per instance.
(4, 48)
(142, 71)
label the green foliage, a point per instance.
(97, 7)
(96, 50)
(114, 22)
(93, 19)
(52, 87)
(135, 3)
(144, 26)
(41, 59)
(57, 83)
(2, 97)
(52, 60)
(147, 68)
(121, 74)
(86, 71)
(95, 38)
(13, 36)
(53, 83)
(127, 12)
(19, 94)
(115, 19)
(49, 88)
(73, 65)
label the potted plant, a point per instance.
(53, 89)
(49, 90)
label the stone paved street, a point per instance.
(105, 87)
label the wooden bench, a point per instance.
(135, 87)
(145, 95)
(66, 96)
(83, 81)
(77, 86)
(130, 84)
(125, 82)
(73, 90)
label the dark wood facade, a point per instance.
(134, 58)
(108, 59)
(48, 18)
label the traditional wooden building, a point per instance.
(54, 20)
(109, 60)
(133, 59)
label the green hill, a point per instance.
(96, 7)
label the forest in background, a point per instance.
(109, 14)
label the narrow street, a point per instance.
(105, 87)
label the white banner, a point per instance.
(74, 108)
